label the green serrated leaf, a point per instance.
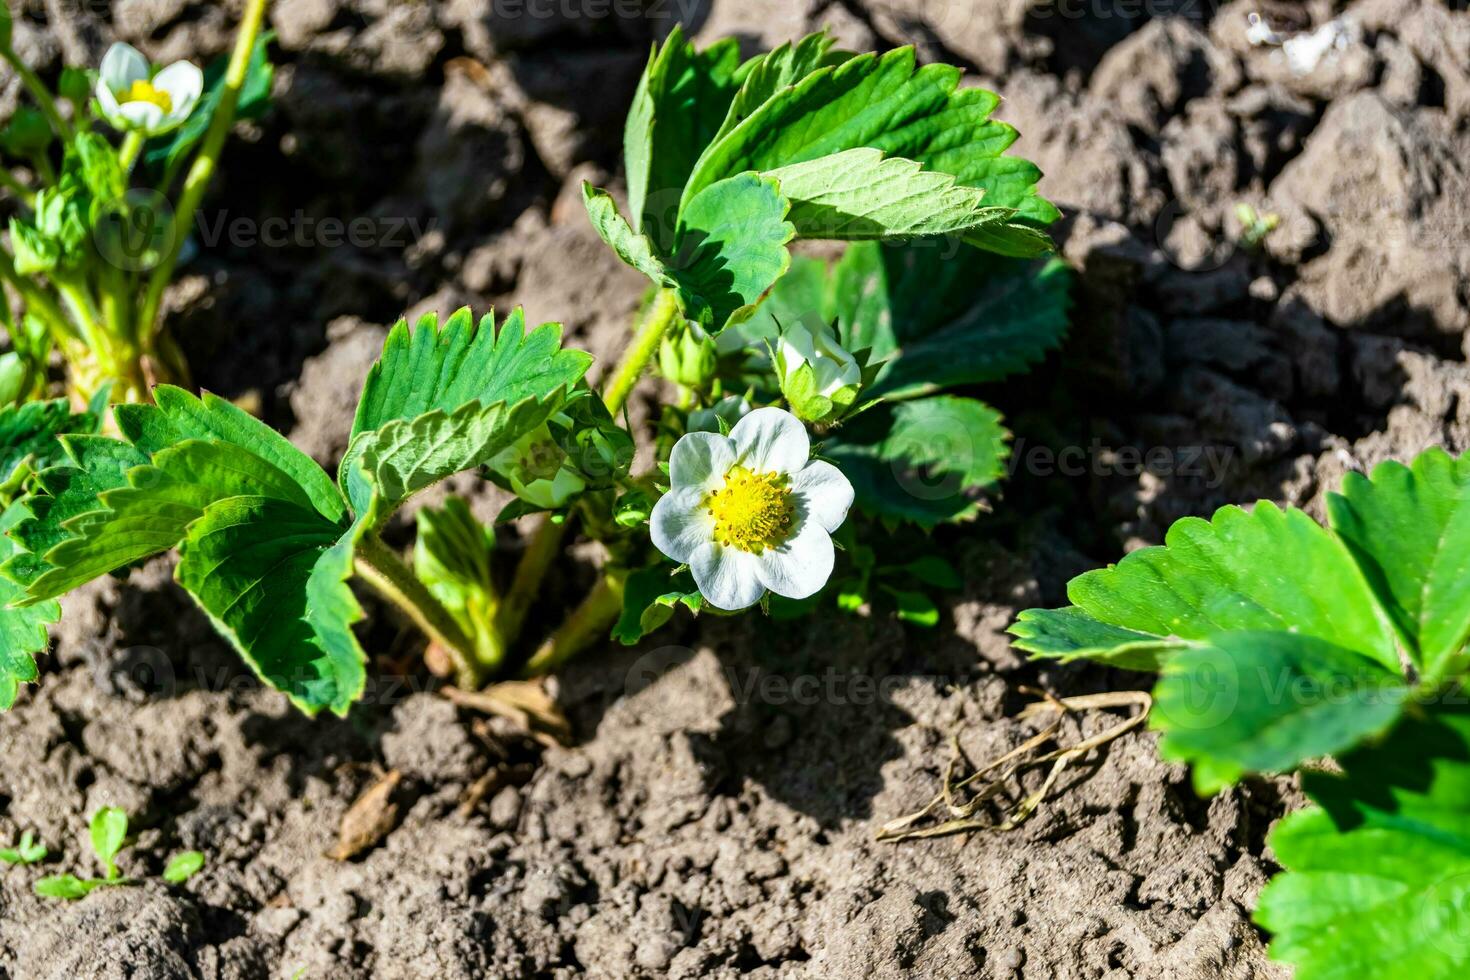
(883, 102)
(680, 103)
(923, 461)
(1408, 527)
(177, 416)
(1263, 569)
(1252, 701)
(22, 630)
(1071, 634)
(272, 576)
(108, 830)
(730, 247)
(1378, 876)
(183, 866)
(861, 195)
(28, 434)
(441, 401)
(150, 513)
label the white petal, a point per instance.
(823, 494)
(700, 459)
(140, 115)
(680, 523)
(122, 65)
(801, 566)
(771, 439)
(108, 104)
(184, 83)
(728, 578)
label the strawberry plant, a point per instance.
(1280, 642)
(97, 172)
(773, 359)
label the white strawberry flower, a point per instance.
(752, 512)
(132, 97)
(819, 378)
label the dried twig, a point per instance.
(993, 777)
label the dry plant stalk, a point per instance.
(948, 814)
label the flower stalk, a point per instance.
(202, 170)
(382, 569)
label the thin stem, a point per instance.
(541, 551)
(38, 91)
(202, 170)
(132, 143)
(381, 568)
(587, 623)
(661, 316)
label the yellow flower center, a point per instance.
(144, 91)
(752, 511)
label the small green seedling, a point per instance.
(108, 831)
(1255, 226)
(28, 851)
(1280, 642)
(183, 866)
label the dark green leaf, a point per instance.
(680, 103)
(1268, 701)
(28, 434)
(1071, 634)
(1408, 527)
(1263, 569)
(939, 317)
(1378, 878)
(178, 415)
(924, 461)
(272, 575)
(22, 630)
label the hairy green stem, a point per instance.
(661, 315)
(202, 170)
(546, 539)
(584, 627)
(381, 568)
